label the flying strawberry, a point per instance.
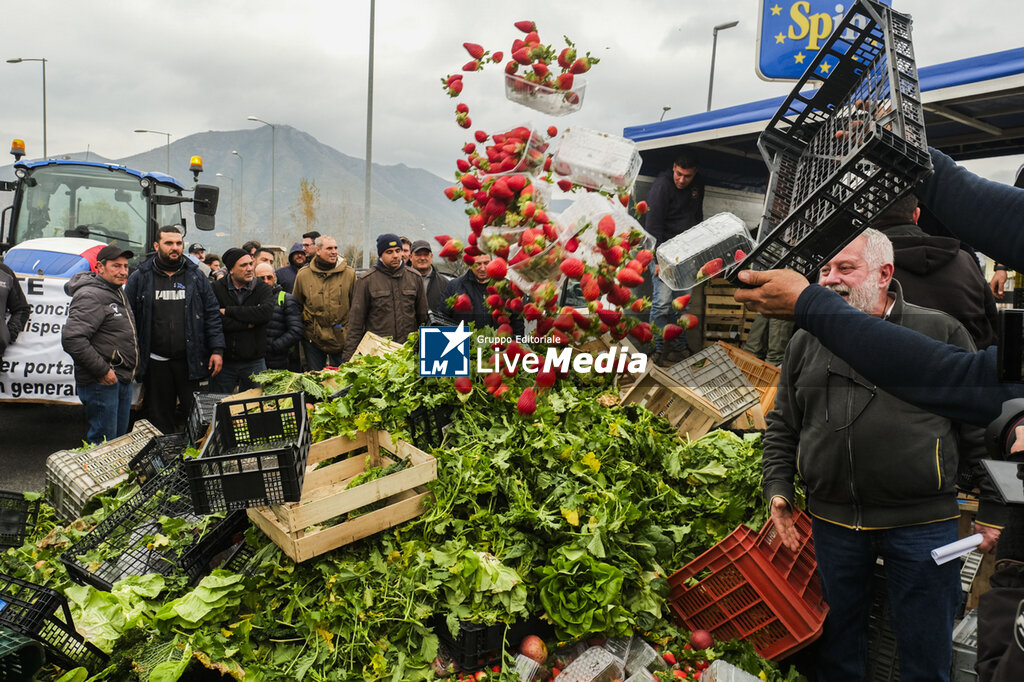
(573, 268)
(613, 255)
(581, 65)
(497, 268)
(464, 385)
(680, 302)
(552, 131)
(546, 378)
(463, 304)
(687, 321)
(640, 305)
(526, 26)
(609, 316)
(645, 257)
(475, 51)
(566, 57)
(462, 108)
(606, 226)
(442, 239)
(565, 185)
(640, 208)
(497, 57)
(670, 332)
(564, 81)
(480, 136)
(471, 66)
(591, 291)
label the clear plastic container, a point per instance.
(598, 160)
(720, 671)
(596, 664)
(529, 159)
(528, 669)
(495, 237)
(642, 657)
(563, 657)
(580, 220)
(550, 101)
(704, 251)
(618, 646)
(539, 268)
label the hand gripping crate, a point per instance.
(840, 155)
(126, 543)
(330, 513)
(714, 375)
(724, 318)
(20, 657)
(41, 613)
(17, 518)
(688, 411)
(751, 587)
(74, 478)
(201, 416)
(255, 454)
(763, 376)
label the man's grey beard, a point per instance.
(863, 297)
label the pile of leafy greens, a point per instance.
(575, 515)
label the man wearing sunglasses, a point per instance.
(880, 479)
(285, 328)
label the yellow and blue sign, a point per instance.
(791, 32)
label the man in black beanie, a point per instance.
(388, 300)
(246, 308)
(177, 317)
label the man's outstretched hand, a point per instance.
(774, 293)
(782, 517)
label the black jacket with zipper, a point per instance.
(99, 334)
(868, 459)
(245, 323)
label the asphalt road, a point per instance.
(29, 433)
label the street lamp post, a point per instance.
(241, 186)
(158, 132)
(273, 183)
(714, 48)
(19, 60)
(221, 175)
(664, 110)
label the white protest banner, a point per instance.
(35, 368)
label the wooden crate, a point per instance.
(724, 318)
(714, 375)
(299, 529)
(690, 413)
(371, 344)
(603, 343)
(764, 376)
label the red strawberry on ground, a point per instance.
(546, 378)
(464, 385)
(527, 403)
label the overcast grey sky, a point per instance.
(191, 66)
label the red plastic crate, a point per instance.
(751, 587)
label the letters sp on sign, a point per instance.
(791, 32)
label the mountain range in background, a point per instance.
(407, 201)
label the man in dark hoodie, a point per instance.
(99, 335)
(286, 275)
(389, 300)
(936, 273)
(181, 340)
(246, 306)
(14, 308)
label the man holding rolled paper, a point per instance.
(880, 480)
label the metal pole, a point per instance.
(369, 145)
(714, 49)
(168, 153)
(241, 187)
(273, 173)
(45, 154)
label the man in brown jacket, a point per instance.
(324, 293)
(389, 300)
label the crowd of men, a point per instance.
(182, 321)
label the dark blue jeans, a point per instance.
(663, 314)
(107, 408)
(317, 359)
(236, 373)
(923, 598)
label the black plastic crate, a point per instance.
(427, 425)
(158, 453)
(20, 657)
(42, 614)
(124, 537)
(255, 455)
(842, 154)
(479, 645)
(17, 518)
(201, 415)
